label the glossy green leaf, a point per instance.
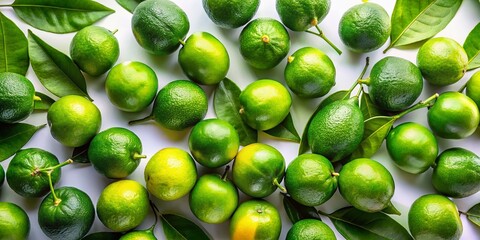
(103, 236)
(129, 5)
(296, 211)
(473, 214)
(226, 103)
(55, 70)
(176, 227)
(14, 136)
(417, 20)
(285, 130)
(80, 154)
(354, 224)
(60, 16)
(45, 102)
(472, 47)
(376, 130)
(13, 47)
(369, 109)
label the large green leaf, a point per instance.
(417, 20)
(376, 129)
(296, 211)
(472, 47)
(285, 130)
(60, 16)
(129, 5)
(473, 214)
(176, 227)
(45, 102)
(15, 136)
(13, 47)
(55, 70)
(369, 109)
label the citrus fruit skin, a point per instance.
(453, 116)
(213, 199)
(204, 59)
(213, 142)
(457, 173)
(442, 61)
(366, 184)
(309, 179)
(300, 15)
(310, 73)
(336, 130)
(73, 120)
(131, 86)
(16, 97)
(437, 209)
(159, 26)
(115, 152)
(230, 14)
(364, 27)
(264, 104)
(123, 205)
(71, 218)
(14, 222)
(95, 50)
(264, 43)
(310, 229)
(395, 83)
(139, 235)
(472, 89)
(2, 176)
(256, 168)
(170, 174)
(24, 175)
(255, 219)
(412, 147)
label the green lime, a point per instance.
(14, 222)
(17, 96)
(131, 86)
(300, 15)
(472, 89)
(434, 216)
(456, 173)
(146, 234)
(310, 179)
(453, 116)
(73, 120)
(442, 61)
(123, 205)
(264, 43)
(310, 229)
(95, 50)
(67, 214)
(412, 147)
(204, 59)
(258, 169)
(214, 198)
(230, 13)
(395, 83)
(27, 172)
(336, 130)
(2, 176)
(255, 219)
(310, 73)
(170, 174)
(264, 104)
(213, 142)
(159, 26)
(364, 27)
(115, 152)
(366, 184)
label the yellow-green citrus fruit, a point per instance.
(16, 97)
(159, 26)
(14, 222)
(230, 13)
(300, 15)
(472, 90)
(310, 229)
(146, 234)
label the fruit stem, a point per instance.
(56, 200)
(36, 98)
(359, 79)
(320, 34)
(114, 31)
(154, 208)
(138, 156)
(426, 103)
(181, 42)
(265, 39)
(52, 168)
(225, 173)
(335, 174)
(275, 182)
(147, 118)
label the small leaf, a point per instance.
(14, 136)
(176, 227)
(129, 5)
(473, 214)
(376, 129)
(44, 103)
(354, 224)
(55, 70)
(285, 130)
(226, 103)
(60, 16)
(472, 47)
(369, 109)
(391, 209)
(80, 154)
(13, 47)
(296, 211)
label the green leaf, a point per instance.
(103, 236)
(13, 47)
(60, 16)
(285, 130)
(80, 154)
(14, 136)
(376, 129)
(226, 103)
(176, 227)
(472, 47)
(296, 211)
(354, 224)
(55, 70)
(473, 214)
(414, 20)
(369, 109)
(391, 209)
(45, 102)
(129, 5)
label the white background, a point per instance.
(348, 65)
